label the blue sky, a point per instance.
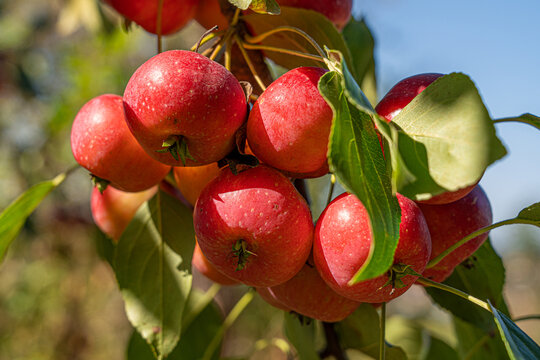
(497, 44)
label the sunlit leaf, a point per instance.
(13, 217)
(265, 7)
(153, 268)
(531, 214)
(530, 119)
(355, 157)
(446, 137)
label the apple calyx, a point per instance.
(396, 273)
(242, 253)
(176, 145)
(100, 183)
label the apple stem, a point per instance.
(261, 37)
(427, 282)
(249, 63)
(333, 346)
(382, 332)
(176, 145)
(284, 51)
(158, 25)
(473, 235)
(331, 189)
(207, 36)
(242, 253)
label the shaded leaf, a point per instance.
(316, 25)
(361, 44)
(518, 344)
(194, 338)
(446, 137)
(482, 276)
(360, 331)
(355, 157)
(301, 336)
(265, 7)
(13, 217)
(153, 269)
(476, 344)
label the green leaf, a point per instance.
(360, 331)
(265, 7)
(530, 119)
(153, 269)
(518, 344)
(531, 214)
(241, 4)
(361, 44)
(476, 344)
(194, 338)
(301, 336)
(482, 276)
(446, 137)
(355, 157)
(13, 217)
(311, 22)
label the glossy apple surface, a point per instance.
(449, 223)
(260, 208)
(175, 13)
(267, 296)
(102, 143)
(185, 95)
(113, 209)
(289, 125)
(343, 240)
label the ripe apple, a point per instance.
(337, 11)
(113, 209)
(307, 294)
(254, 226)
(450, 223)
(175, 13)
(342, 243)
(102, 143)
(209, 14)
(192, 180)
(269, 297)
(184, 109)
(201, 263)
(289, 125)
(400, 96)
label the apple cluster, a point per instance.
(182, 113)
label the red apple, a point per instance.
(192, 180)
(450, 223)
(400, 96)
(113, 209)
(307, 294)
(201, 263)
(343, 240)
(102, 143)
(289, 125)
(209, 14)
(175, 13)
(187, 101)
(269, 297)
(254, 226)
(337, 11)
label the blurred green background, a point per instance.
(58, 299)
